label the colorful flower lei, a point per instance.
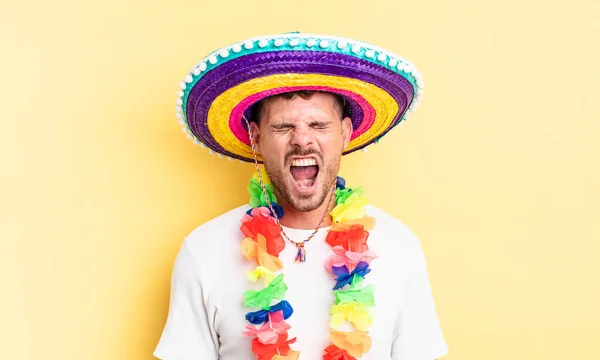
(349, 263)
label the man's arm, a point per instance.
(189, 332)
(418, 333)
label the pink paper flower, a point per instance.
(269, 331)
(348, 258)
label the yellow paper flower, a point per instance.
(356, 343)
(291, 355)
(260, 272)
(355, 313)
(352, 207)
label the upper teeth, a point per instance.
(304, 162)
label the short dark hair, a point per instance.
(258, 109)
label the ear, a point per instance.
(347, 130)
(254, 130)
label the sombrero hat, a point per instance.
(379, 87)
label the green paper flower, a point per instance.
(263, 298)
(356, 294)
(257, 197)
(341, 195)
(348, 195)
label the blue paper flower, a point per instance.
(340, 183)
(261, 316)
(344, 277)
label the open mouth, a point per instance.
(304, 172)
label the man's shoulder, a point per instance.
(221, 223)
(221, 232)
(397, 234)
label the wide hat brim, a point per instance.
(379, 87)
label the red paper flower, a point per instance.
(261, 222)
(267, 351)
(353, 239)
(333, 352)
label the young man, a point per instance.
(311, 271)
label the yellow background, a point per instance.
(497, 172)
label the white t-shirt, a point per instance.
(206, 313)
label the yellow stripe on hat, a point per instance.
(220, 110)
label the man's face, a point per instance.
(301, 143)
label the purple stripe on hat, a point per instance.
(242, 69)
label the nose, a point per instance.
(302, 137)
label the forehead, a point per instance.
(320, 105)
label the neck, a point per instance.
(305, 220)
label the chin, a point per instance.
(307, 198)
(304, 204)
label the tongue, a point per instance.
(304, 172)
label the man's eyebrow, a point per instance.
(319, 122)
(287, 124)
(282, 125)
